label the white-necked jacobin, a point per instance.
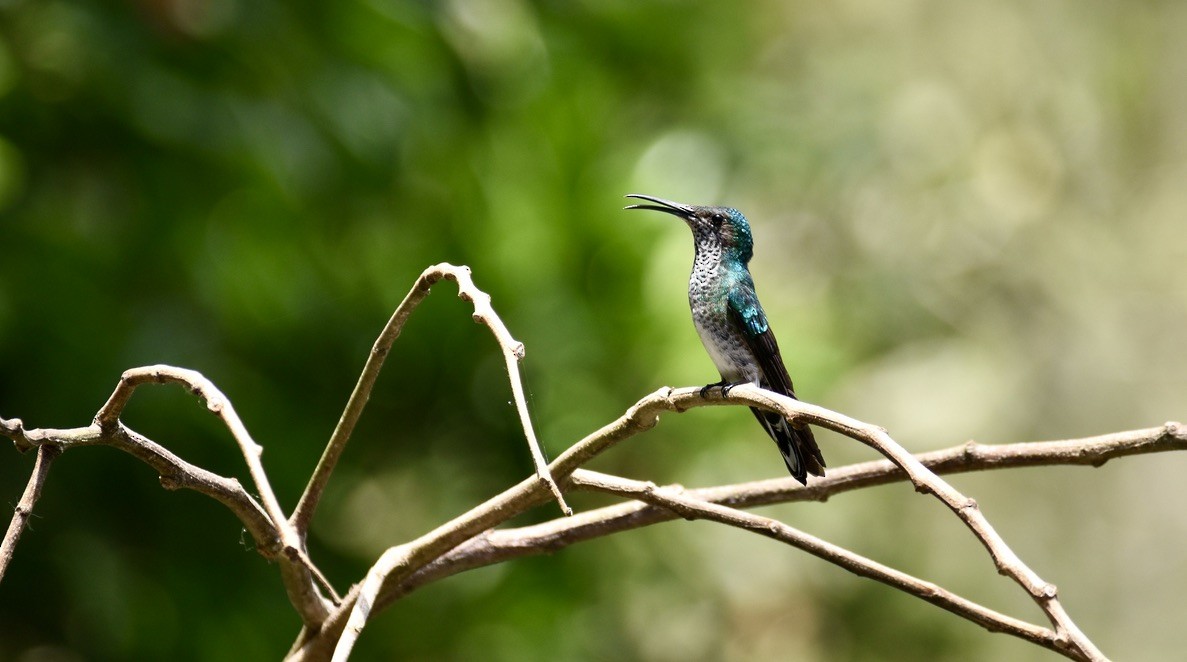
(732, 324)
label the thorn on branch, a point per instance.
(970, 450)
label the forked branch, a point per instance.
(472, 540)
(501, 545)
(268, 525)
(690, 507)
(386, 580)
(484, 314)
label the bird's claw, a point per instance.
(725, 387)
(708, 387)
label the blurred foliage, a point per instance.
(970, 224)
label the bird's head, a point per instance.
(723, 227)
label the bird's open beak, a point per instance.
(667, 206)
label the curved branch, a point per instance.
(274, 535)
(483, 313)
(297, 569)
(108, 417)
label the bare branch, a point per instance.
(401, 561)
(175, 473)
(275, 537)
(497, 546)
(1068, 634)
(24, 509)
(384, 580)
(216, 402)
(483, 313)
(513, 352)
(689, 507)
(285, 536)
(299, 578)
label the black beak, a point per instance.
(666, 206)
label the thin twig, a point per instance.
(483, 313)
(513, 352)
(24, 509)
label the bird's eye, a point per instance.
(718, 218)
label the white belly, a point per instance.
(733, 358)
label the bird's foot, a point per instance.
(725, 387)
(708, 387)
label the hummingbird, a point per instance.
(732, 325)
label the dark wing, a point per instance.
(745, 309)
(795, 441)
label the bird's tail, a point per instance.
(795, 442)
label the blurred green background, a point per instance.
(969, 222)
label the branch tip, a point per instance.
(543, 476)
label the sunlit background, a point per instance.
(969, 224)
